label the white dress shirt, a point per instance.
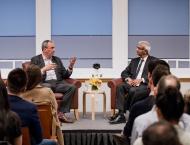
(50, 74)
(144, 120)
(142, 67)
(183, 135)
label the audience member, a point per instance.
(187, 102)
(135, 78)
(10, 125)
(170, 107)
(54, 75)
(160, 133)
(144, 120)
(27, 111)
(156, 69)
(38, 94)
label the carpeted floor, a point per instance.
(91, 132)
(85, 123)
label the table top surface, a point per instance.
(94, 91)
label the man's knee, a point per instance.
(46, 85)
(132, 90)
(73, 87)
(120, 87)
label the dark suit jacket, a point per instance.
(28, 115)
(137, 109)
(60, 70)
(130, 70)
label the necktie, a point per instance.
(139, 66)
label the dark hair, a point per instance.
(152, 65)
(45, 44)
(8, 119)
(4, 103)
(160, 133)
(171, 104)
(158, 72)
(34, 76)
(17, 80)
(4, 108)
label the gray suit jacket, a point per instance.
(60, 71)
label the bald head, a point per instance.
(168, 81)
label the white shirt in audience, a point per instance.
(144, 120)
(183, 135)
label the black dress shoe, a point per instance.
(119, 119)
(63, 118)
(111, 118)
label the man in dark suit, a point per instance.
(54, 73)
(135, 79)
(27, 111)
(156, 69)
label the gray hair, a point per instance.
(146, 45)
(45, 43)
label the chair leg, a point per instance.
(76, 113)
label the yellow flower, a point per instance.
(95, 83)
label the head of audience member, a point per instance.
(163, 69)
(48, 48)
(16, 81)
(154, 63)
(170, 105)
(158, 73)
(187, 101)
(160, 133)
(166, 81)
(34, 76)
(143, 48)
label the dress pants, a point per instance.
(138, 96)
(65, 88)
(124, 95)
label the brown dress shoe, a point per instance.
(64, 119)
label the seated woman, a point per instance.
(39, 95)
(10, 125)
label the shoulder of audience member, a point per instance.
(29, 104)
(140, 119)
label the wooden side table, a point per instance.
(93, 95)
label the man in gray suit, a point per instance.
(54, 73)
(135, 79)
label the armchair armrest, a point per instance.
(74, 82)
(112, 84)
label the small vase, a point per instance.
(94, 88)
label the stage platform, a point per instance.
(91, 132)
